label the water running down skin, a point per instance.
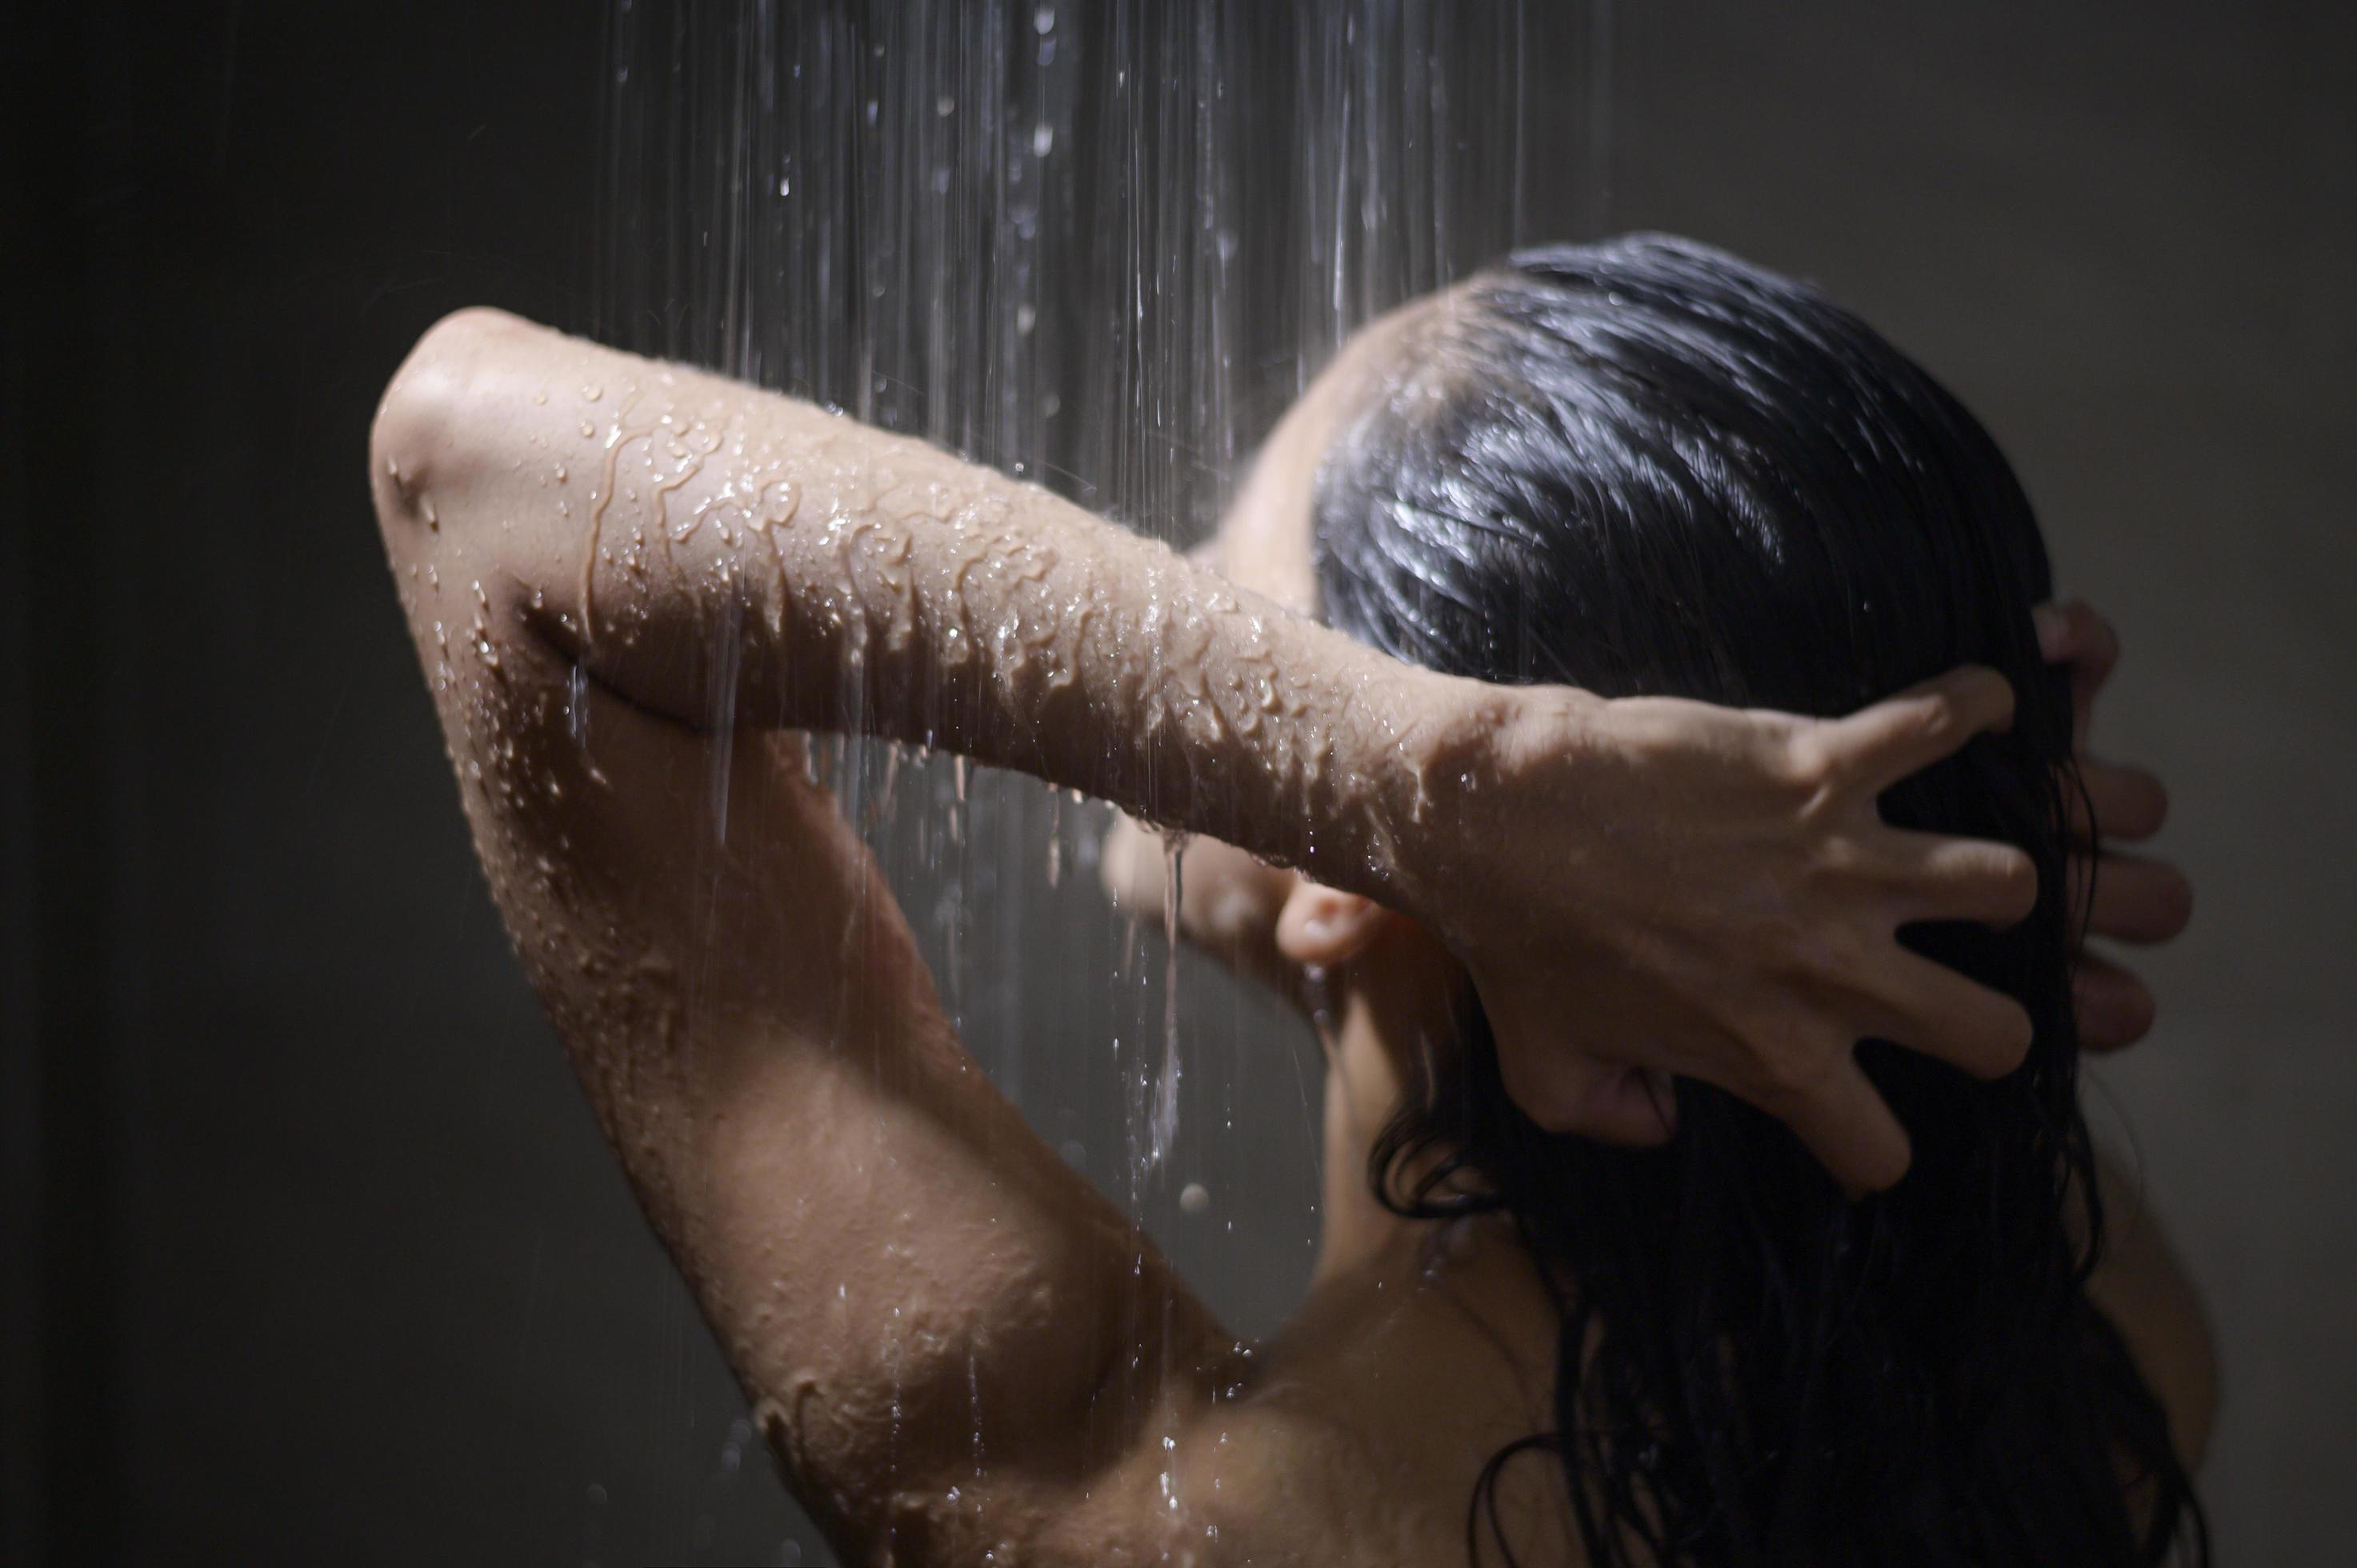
(892, 1260)
(1731, 866)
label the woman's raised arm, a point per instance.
(1635, 885)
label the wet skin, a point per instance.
(630, 583)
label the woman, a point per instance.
(1546, 919)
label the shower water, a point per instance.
(1099, 246)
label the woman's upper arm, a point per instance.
(915, 1291)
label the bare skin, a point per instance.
(591, 546)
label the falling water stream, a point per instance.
(1100, 246)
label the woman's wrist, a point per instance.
(1454, 738)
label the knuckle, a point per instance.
(1792, 1069)
(1809, 761)
(1842, 955)
(1834, 865)
(1935, 716)
(1843, 858)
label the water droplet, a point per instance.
(1043, 139)
(576, 703)
(1163, 1113)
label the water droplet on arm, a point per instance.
(576, 705)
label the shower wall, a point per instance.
(314, 1253)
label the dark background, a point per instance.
(312, 1253)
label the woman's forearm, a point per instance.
(716, 552)
(1635, 886)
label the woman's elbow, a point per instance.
(437, 416)
(468, 467)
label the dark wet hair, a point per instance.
(1647, 466)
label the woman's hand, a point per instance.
(1653, 886)
(2135, 899)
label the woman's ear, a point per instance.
(1326, 927)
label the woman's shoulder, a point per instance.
(2139, 1284)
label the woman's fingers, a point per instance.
(2112, 1006)
(1845, 1123)
(2123, 803)
(2135, 899)
(1941, 878)
(1877, 746)
(1931, 1008)
(2073, 634)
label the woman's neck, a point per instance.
(1386, 1027)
